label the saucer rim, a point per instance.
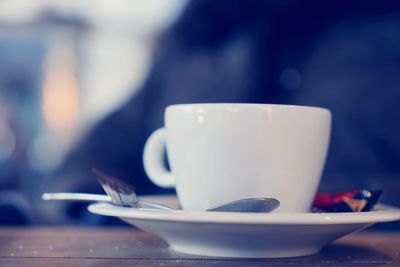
(382, 213)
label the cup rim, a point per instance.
(189, 106)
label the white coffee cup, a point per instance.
(223, 152)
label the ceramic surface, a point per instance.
(244, 235)
(222, 152)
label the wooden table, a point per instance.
(129, 247)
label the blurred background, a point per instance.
(83, 83)
(64, 65)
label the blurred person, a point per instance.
(342, 55)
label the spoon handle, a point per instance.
(151, 205)
(95, 197)
(76, 197)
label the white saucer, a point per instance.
(246, 235)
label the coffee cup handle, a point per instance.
(153, 160)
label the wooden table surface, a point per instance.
(130, 247)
